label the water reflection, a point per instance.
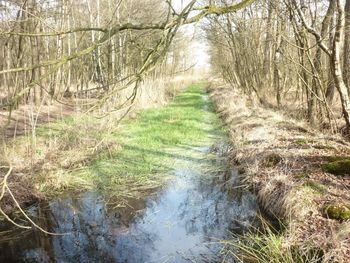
(182, 223)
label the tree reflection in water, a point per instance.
(182, 223)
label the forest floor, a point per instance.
(300, 175)
(26, 118)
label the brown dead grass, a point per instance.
(281, 162)
(27, 117)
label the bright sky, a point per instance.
(198, 44)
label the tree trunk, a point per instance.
(268, 40)
(337, 70)
(346, 61)
(330, 83)
(318, 80)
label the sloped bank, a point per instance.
(299, 175)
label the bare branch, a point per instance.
(311, 30)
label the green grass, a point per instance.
(319, 188)
(148, 146)
(268, 245)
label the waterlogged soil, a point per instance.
(183, 221)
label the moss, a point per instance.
(272, 160)
(339, 212)
(339, 167)
(301, 142)
(337, 158)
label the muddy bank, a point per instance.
(287, 165)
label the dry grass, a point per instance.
(281, 160)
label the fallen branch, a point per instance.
(5, 188)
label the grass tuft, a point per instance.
(268, 245)
(320, 188)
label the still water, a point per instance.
(183, 222)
